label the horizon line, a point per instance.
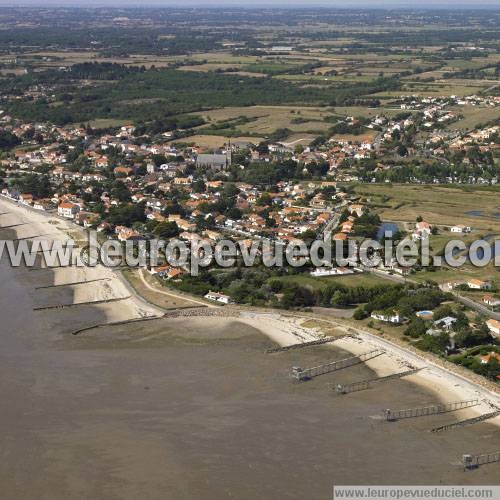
(241, 6)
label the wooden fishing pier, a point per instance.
(424, 411)
(303, 374)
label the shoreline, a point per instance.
(446, 385)
(284, 328)
(83, 285)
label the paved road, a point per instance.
(477, 306)
(392, 277)
(171, 294)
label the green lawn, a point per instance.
(439, 241)
(445, 274)
(351, 280)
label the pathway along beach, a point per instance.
(194, 409)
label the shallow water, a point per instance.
(178, 409)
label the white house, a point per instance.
(166, 272)
(218, 297)
(451, 285)
(461, 229)
(403, 270)
(322, 271)
(491, 301)
(138, 197)
(42, 205)
(327, 271)
(494, 327)
(476, 284)
(445, 323)
(68, 210)
(356, 209)
(388, 317)
(423, 228)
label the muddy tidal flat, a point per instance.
(194, 409)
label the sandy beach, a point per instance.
(100, 284)
(192, 407)
(446, 386)
(72, 285)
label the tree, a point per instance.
(442, 312)
(230, 191)
(37, 185)
(120, 191)
(198, 186)
(234, 213)
(297, 297)
(263, 148)
(416, 328)
(402, 150)
(159, 160)
(8, 140)
(339, 299)
(265, 199)
(430, 343)
(470, 338)
(126, 215)
(308, 236)
(270, 222)
(360, 313)
(276, 285)
(166, 230)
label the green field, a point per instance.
(352, 280)
(267, 119)
(445, 274)
(439, 205)
(473, 116)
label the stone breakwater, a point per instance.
(221, 312)
(196, 312)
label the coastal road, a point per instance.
(391, 277)
(171, 294)
(477, 306)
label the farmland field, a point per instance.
(437, 204)
(216, 141)
(177, 135)
(473, 116)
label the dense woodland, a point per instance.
(155, 94)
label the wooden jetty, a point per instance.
(70, 284)
(301, 345)
(303, 374)
(424, 411)
(89, 303)
(474, 461)
(468, 421)
(366, 384)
